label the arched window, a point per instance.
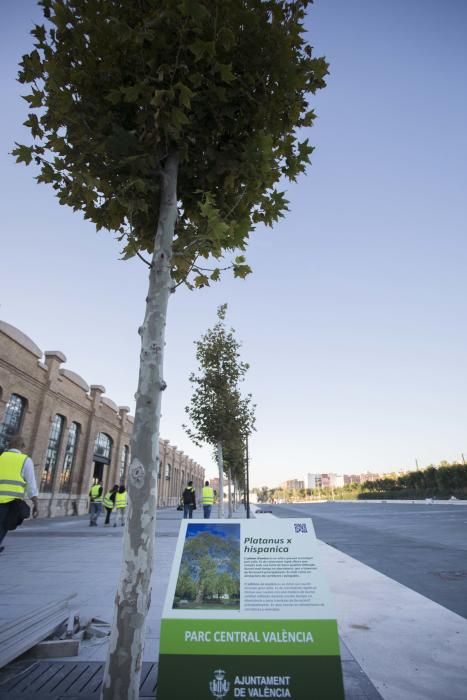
(168, 471)
(51, 456)
(69, 459)
(124, 463)
(12, 419)
(103, 448)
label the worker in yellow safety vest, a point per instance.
(95, 506)
(120, 505)
(207, 499)
(109, 503)
(17, 482)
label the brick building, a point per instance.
(73, 432)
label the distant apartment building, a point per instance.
(73, 432)
(332, 480)
(314, 481)
(293, 485)
(352, 479)
(336, 480)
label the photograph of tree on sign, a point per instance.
(209, 576)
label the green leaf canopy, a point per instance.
(217, 411)
(117, 85)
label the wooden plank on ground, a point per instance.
(18, 636)
(55, 649)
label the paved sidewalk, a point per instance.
(56, 557)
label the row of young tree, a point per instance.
(433, 482)
(171, 124)
(220, 416)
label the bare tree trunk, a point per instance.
(229, 492)
(132, 600)
(220, 465)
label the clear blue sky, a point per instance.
(354, 321)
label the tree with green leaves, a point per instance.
(217, 411)
(263, 494)
(205, 557)
(170, 123)
(226, 585)
(186, 586)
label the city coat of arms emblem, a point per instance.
(219, 687)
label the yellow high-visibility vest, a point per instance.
(120, 500)
(95, 494)
(108, 503)
(12, 484)
(208, 496)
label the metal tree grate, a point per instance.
(55, 680)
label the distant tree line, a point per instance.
(441, 482)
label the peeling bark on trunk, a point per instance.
(220, 465)
(132, 600)
(229, 492)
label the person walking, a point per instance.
(120, 505)
(17, 482)
(95, 508)
(208, 500)
(189, 500)
(109, 503)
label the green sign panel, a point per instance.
(247, 615)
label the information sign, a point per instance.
(247, 614)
